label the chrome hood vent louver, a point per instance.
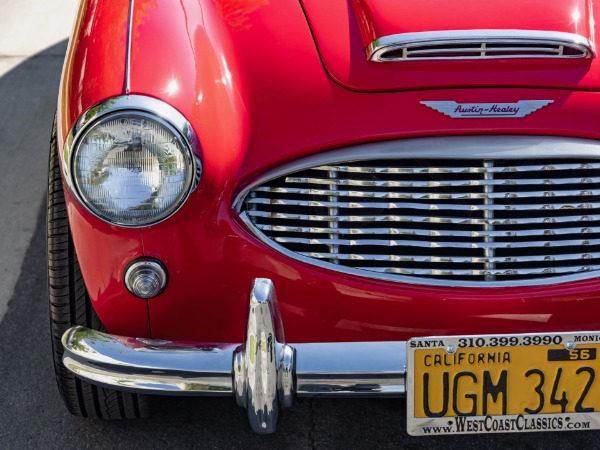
(479, 44)
(508, 211)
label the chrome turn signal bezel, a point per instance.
(148, 264)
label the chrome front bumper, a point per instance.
(264, 373)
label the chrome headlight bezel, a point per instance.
(147, 107)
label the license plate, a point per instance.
(511, 383)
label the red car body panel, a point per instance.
(88, 78)
(379, 18)
(103, 250)
(255, 104)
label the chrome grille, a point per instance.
(475, 221)
(479, 44)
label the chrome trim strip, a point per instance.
(487, 272)
(147, 366)
(451, 147)
(426, 219)
(424, 196)
(442, 244)
(129, 43)
(426, 207)
(157, 110)
(427, 233)
(351, 369)
(454, 259)
(458, 170)
(447, 183)
(378, 48)
(488, 50)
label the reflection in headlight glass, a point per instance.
(132, 169)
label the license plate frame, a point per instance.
(522, 345)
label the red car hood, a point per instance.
(344, 30)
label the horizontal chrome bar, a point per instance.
(458, 170)
(186, 368)
(479, 49)
(425, 219)
(483, 55)
(143, 365)
(445, 183)
(351, 369)
(432, 244)
(458, 259)
(495, 272)
(433, 196)
(423, 206)
(432, 233)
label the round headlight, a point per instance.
(132, 168)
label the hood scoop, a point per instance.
(478, 44)
(382, 45)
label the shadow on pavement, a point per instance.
(27, 105)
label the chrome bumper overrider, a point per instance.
(264, 373)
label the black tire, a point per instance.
(70, 305)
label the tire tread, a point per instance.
(70, 305)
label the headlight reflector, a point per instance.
(132, 168)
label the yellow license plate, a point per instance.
(511, 383)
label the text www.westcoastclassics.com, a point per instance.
(496, 424)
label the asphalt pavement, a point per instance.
(33, 37)
(32, 47)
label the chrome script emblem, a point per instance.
(487, 110)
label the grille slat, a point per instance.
(482, 221)
(455, 259)
(427, 196)
(429, 233)
(424, 219)
(447, 183)
(511, 168)
(487, 50)
(437, 244)
(423, 206)
(480, 273)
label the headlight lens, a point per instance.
(132, 169)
